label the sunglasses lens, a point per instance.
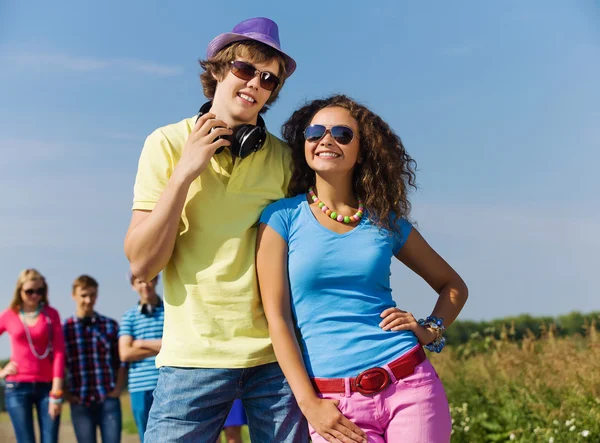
(342, 134)
(268, 81)
(314, 133)
(242, 70)
(40, 291)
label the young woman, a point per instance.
(34, 374)
(355, 363)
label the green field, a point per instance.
(509, 385)
(543, 389)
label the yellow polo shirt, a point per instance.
(213, 313)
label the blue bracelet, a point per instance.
(55, 401)
(438, 324)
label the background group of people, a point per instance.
(87, 361)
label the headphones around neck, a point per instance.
(147, 309)
(246, 139)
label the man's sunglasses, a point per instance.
(340, 133)
(38, 291)
(245, 71)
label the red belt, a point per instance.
(372, 380)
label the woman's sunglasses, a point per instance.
(340, 133)
(38, 291)
(245, 71)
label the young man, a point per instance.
(140, 338)
(95, 375)
(195, 212)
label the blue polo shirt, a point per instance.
(339, 285)
(143, 374)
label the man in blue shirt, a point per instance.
(140, 338)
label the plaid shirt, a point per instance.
(92, 356)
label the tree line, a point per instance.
(523, 325)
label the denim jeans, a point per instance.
(140, 407)
(191, 404)
(20, 399)
(106, 415)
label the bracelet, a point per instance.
(437, 324)
(55, 401)
(56, 394)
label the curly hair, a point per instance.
(253, 52)
(382, 179)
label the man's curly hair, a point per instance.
(382, 179)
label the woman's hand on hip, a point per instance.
(11, 368)
(395, 319)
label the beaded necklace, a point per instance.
(334, 215)
(33, 314)
(48, 349)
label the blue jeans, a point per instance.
(140, 407)
(191, 404)
(106, 415)
(20, 399)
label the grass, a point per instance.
(128, 421)
(534, 390)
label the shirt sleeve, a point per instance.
(3, 323)
(58, 345)
(155, 167)
(276, 216)
(400, 238)
(115, 347)
(126, 326)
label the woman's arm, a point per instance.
(445, 281)
(58, 365)
(271, 266)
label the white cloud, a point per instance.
(69, 62)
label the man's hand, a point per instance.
(72, 399)
(327, 420)
(115, 393)
(11, 368)
(395, 319)
(201, 146)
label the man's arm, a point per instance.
(128, 352)
(151, 236)
(120, 383)
(153, 345)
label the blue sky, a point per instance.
(497, 102)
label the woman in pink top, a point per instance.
(34, 374)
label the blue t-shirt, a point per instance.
(339, 285)
(143, 374)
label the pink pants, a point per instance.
(411, 410)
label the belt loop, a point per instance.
(393, 378)
(347, 387)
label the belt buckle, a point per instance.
(372, 381)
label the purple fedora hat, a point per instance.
(260, 29)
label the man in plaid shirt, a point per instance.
(94, 371)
